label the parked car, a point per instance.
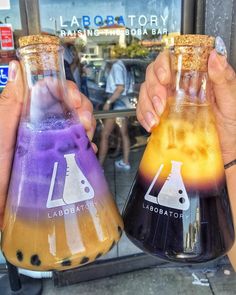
(88, 57)
(97, 83)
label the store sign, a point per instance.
(3, 75)
(5, 4)
(6, 37)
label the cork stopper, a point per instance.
(40, 53)
(194, 40)
(38, 39)
(192, 51)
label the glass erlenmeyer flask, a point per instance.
(59, 213)
(178, 207)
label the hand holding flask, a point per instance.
(178, 207)
(59, 213)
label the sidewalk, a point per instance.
(160, 281)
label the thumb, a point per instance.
(10, 106)
(14, 90)
(10, 109)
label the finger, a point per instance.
(158, 76)
(83, 108)
(223, 79)
(11, 101)
(14, 90)
(220, 72)
(162, 67)
(94, 146)
(145, 111)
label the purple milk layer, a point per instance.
(36, 153)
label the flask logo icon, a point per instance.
(76, 187)
(173, 193)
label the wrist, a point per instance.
(228, 157)
(109, 102)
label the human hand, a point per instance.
(11, 101)
(153, 96)
(223, 79)
(153, 92)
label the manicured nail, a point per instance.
(161, 74)
(12, 71)
(87, 116)
(157, 103)
(150, 119)
(220, 46)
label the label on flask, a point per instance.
(173, 193)
(76, 186)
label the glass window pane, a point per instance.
(96, 33)
(120, 177)
(11, 15)
(10, 31)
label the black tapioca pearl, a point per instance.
(119, 231)
(19, 255)
(84, 260)
(112, 245)
(99, 255)
(66, 262)
(88, 145)
(35, 260)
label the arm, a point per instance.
(152, 100)
(117, 93)
(230, 179)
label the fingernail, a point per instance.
(220, 46)
(150, 119)
(161, 74)
(12, 71)
(157, 103)
(87, 116)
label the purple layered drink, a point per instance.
(60, 213)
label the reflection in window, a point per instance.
(12, 18)
(102, 32)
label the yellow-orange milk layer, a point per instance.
(77, 238)
(187, 135)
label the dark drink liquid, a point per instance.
(178, 207)
(60, 213)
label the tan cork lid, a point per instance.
(40, 53)
(38, 39)
(192, 52)
(194, 40)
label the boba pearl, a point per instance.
(66, 262)
(84, 260)
(35, 260)
(99, 255)
(112, 245)
(120, 230)
(19, 255)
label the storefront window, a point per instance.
(96, 33)
(10, 30)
